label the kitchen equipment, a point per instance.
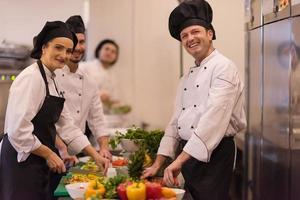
(273, 137)
(13, 59)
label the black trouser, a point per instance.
(210, 181)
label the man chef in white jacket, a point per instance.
(81, 93)
(208, 110)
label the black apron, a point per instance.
(30, 180)
(210, 181)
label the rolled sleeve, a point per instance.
(78, 144)
(197, 149)
(167, 146)
(24, 152)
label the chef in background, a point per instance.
(209, 110)
(106, 54)
(81, 94)
(35, 105)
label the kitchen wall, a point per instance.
(21, 20)
(148, 69)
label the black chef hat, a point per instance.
(188, 13)
(76, 22)
(50, 31)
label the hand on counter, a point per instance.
(150, 171)
(103, 163)
(53, 160)
(104, 147)
(55, 163)
(105, 153)
(70, 160)
(173, 170)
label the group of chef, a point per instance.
(51, 100)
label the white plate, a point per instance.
(77, 190)
(84, 159)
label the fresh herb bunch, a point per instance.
(136, 162)
(149, 139)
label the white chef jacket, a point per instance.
(103, 77)
(208, 106)
(26, 96)
(82, 100)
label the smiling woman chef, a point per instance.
(28, 150)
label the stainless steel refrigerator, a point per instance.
(273, 69)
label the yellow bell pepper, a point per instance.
(136, 191)
(95, 188)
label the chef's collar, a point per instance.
(48, 73)
(205, 60)
(79, 71)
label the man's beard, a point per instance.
(76, 60)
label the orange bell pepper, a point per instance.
(136, 191)
(167, 192)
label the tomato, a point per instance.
(121, 190)
(119, 163)
(153, 190)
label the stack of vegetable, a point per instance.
(123, 189)
(105, 188)
(143, 191)
(148, 142)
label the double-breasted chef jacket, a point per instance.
(208, 107)
(82, 100)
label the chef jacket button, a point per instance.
(195, 106)
(79, 94)
(63, 74)
(192, 127)
(80, 77)
(204, 67)
(191, 71)
(78, 111)
(184, 89)
(197, 85)
(183, 108)
(179, 127)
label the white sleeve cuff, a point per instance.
(102, 133)
(168, 146)
(78, 144)
(197, 148)
(23, 155)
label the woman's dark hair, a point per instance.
(103, 42)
